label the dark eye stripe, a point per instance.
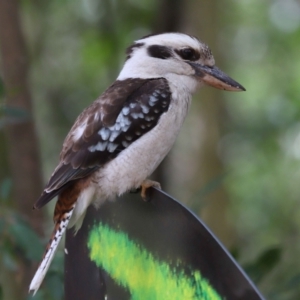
(158, 51)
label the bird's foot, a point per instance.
(146, 184)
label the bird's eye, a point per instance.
(189, 54)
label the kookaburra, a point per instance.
(120, 139)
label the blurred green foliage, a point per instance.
(261, 146)
(19, 241)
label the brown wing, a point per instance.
(126, 111)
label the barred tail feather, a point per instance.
(60, 228)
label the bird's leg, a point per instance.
(146, 184)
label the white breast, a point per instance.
(134, 164)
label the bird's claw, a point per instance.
(146, 184)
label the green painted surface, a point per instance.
(134, 268)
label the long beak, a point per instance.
(216, 78)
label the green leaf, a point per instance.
(264, 264)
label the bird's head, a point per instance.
(180, 58)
